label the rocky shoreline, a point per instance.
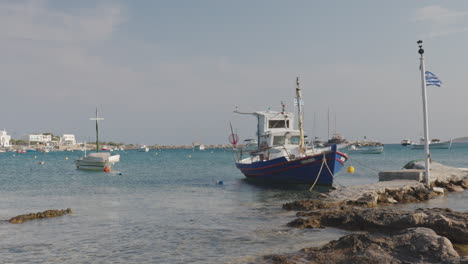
(382, 233)
(412, 245)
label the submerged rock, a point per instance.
(46, 214)
(412, 245)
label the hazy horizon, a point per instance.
(165, 72)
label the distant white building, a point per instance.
(40, 138)
(4, 139)
(68, 139)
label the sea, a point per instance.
(171, 206)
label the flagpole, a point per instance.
(427, 154)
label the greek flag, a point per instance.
(432, 79)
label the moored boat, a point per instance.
(406, 142)
(377, 149)
(434, 144)
(143, 148)
(282, 155)
(99, 161)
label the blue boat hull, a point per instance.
(299, 171)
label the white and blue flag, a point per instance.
(432, 79)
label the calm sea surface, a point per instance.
(165, 207)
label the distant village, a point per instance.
(46, 142)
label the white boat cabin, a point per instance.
(276, 129)
(276, 138)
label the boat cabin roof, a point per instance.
(270, 121)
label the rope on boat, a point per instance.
(324, 161)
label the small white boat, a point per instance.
(249, 145)
(434, 144)
(98, 161)
(143, 148)
(197, 146)
(366, 149)
(406, 142)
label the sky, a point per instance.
(172, 72)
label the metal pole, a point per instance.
(97, 132)
(427, 154)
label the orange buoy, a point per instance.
(107, 169)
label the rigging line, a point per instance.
(360, 163)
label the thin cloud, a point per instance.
(439, 21)
(32, 20)
(438, 15)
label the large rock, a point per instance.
(445, 222)
(413, 245)
(46, 214)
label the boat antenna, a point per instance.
(427, 154)
(97, 129)
(299, 117)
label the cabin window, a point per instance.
(278, 124)
(278, 140)
(294, 140)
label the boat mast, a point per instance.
(97, 129)
(427, 154)
(328, 123)
(299, 117)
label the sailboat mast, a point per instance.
(299, 117)
(97, 129)
(427, 154)
(97, 132)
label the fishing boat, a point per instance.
(98, 161)
(434, 144)
(282, 156)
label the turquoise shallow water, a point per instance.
(165, 207)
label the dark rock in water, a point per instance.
(412, 245)
(306, 205)
(454, 188)
(445, 222)
(46, 214)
